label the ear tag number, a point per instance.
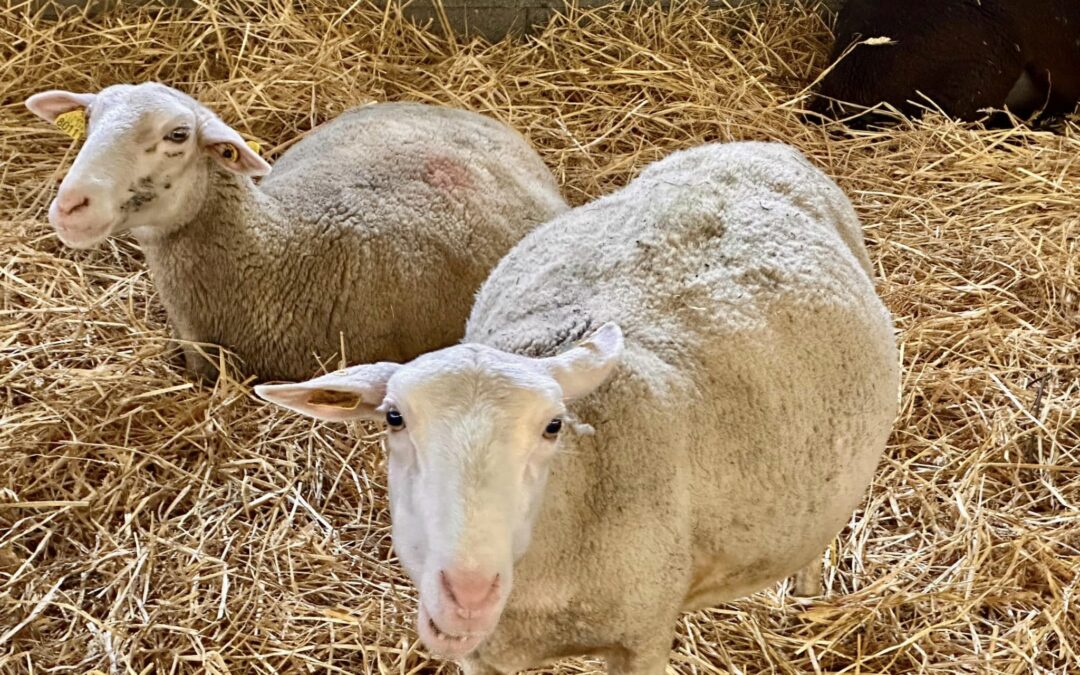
(72, 123)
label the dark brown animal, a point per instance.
(964, 56)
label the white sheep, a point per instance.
(744, 415)
(373, 233)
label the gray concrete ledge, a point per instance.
(491, 19)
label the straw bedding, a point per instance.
(151, 524)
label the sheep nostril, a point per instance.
(70, 206)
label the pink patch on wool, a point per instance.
(446, 174)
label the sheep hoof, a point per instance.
(808, 582)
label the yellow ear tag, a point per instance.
(231, 153)
(72, 123)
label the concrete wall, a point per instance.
(495, 18)
(491, 19)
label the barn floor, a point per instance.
(150, 524)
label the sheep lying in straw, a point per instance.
(737, 423)
(961, 55)
(373, 233)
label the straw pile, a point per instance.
(149, 524)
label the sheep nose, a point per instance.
(472, 592)
(70, 202)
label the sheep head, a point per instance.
(472, 433)
(144, 160)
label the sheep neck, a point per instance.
(204, 268)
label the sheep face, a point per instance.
(472, 433)
(144, 163)
(468, 466)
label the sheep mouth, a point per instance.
(77, 233)
(82, 237)
(443, 635)
(443, 642)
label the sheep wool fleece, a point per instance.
(373, 233)
(755, 396)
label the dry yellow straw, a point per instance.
(153, 524)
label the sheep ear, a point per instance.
(350, 394)
(229, 149)
(48, 105)
(584, 367)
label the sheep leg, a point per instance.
(194, 363)
(177, 352)
(198, 365)
(471, 666)
(808, 583)
(651, 659)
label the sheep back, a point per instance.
(372, 233)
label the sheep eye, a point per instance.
(394, 419)
(178, 135)
(553, 428)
